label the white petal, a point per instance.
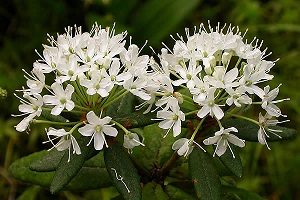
(179, 143)
(63, 144)
(50, 100)
(57, 110)
(261, 136)
(111, 131)
(218, 112)
(235, 140)
(98, 141)
(75, 146)
(24, 108)
(70, 105)
(183, 149)
(211, 140)
(177, 128)
(69, 91)
(22, 126)
(87, 130)
(57, 89)
(221, 148)
(166, 124)
(92, 118)
(203, 111)
(231, 75)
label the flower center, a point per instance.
(70, 73)
(63, 101)
(98, 128)
(211, 103)
(189, 76)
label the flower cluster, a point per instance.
(213, 70)
(219, 74)
(86, 72)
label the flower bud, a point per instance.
(179, 97)
(226, 58)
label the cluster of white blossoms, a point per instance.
(83, 73)
(220, 74)
(87, 72)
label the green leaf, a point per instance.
(175, 193)
(47, 163)
(248, 131)
(119, 166)
(241, 193)
(154, 191)
(204, 175)
(20, 170)
(157, 150)
(47, 115)
(233, 164)
(66, 171)
(30, 193)
(86, 179)
(124, 112)
(171, 13)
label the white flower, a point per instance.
(250, 78)
(35, 81)
(61, 98)
(264, 123)
(51, 58)
(97, 128)
(98, 84)
(136, 65)
(67, 141)
(171, 118)
(31, 106)
(137, 88)
(199, 91)
(187, 75)
(71, 70)
(222, 79)
(114, 73)
(183, 146)
(268, 102)
(222, 139)
(131, 140)
(209, 106)
(237, 97)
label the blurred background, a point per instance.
(23, 28)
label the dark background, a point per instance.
(23, 28)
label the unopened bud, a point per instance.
(179, 97)
(3, 93)
(226, 58)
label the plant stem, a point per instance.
(245, 118)
(36, 121)
(114, 100)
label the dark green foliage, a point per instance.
(120, 167)
(86, 178)
(204, 175)
(67, 170)
(248, 131)
(233, 164)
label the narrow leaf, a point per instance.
(241, 193)
(66, 171)
(248, 131)
(86, 179)
(233, 164)
(47, 163)
(204, 175)
(122, 172)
